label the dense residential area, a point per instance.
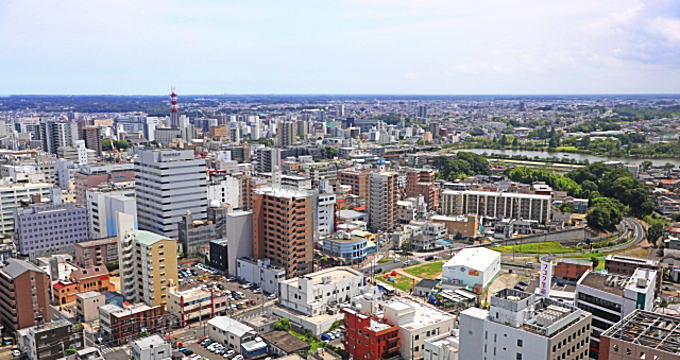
(340, 227)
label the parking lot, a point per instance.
(241, 297)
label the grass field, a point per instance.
(537, 248)
(401, 282)
(429, 270)
(385, 260)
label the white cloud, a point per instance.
(667, 27)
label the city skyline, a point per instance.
(348, 47)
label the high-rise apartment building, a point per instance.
(93, 139)
(44, 229)
(357, 179)
(496, 205)
(285, 133)
(523, 326)
(382, 201)
(283, 228)
(422, 183)
(148, 263)
(24, 295)
(168, 184)
(56, 134)
(324, 217)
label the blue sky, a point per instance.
(341, 46)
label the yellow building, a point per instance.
(148, 264)
(362, 235)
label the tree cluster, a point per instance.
(465, 164)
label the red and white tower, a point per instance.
(174, 110)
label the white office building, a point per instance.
(260, 273)
(324, 211)
(522, 326)
(313, 293)
(151, 348)
(229, 332)
(472, 268)
(103, 203)
(417, 323)
(168, 184)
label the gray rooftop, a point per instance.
(15, 267)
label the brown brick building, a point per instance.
(422, 182)
(24, 294)
(358, 180)
(96, 252)
(283, 221)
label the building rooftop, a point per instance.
(88, 294)
(148, 238)
(423, 315)
(616, 284)
(498, 193)
(632, 260)
(652, 330)
(475, 258)
(233, 326)
(86, 273)
(100, 242)
(335, 274)
(284, 341)
(150, 341)
(284, 192)
(16, 267)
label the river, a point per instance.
(580, 157)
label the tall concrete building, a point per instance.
(56, 134)
(285, 133)
(357, 179)
(25, 299)
(497, 205)
(324, 217)
(422, 183)
(148, 263)
(102, 204)
(523, 326)
(45, 229)
(382, 201)
(92, 175)
(283, 228)
(168, 184)
(93, 138)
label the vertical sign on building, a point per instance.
(545, 278)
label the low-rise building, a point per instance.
(229, 332)
(261, 273)
(467, 226)
(524, 326)
(118, 325)
(627, 265)
(50, 341)
(369, 337)
(151, 348)
(96, 252)
(281, 343)
(570, 270)
(417, 323)
(313, 294)
(473, 268)
(87, 305)
(95, 278)
(195, 304)
(442, 349)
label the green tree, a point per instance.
(72, 350)
(645, 165)
(282, 324)
(655, 232)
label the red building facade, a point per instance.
(370, 338)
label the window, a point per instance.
(520, 343)
(518, 356)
